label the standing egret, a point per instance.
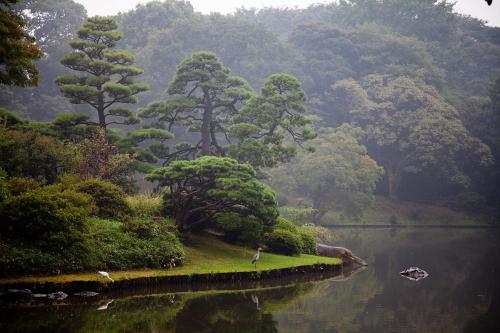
(256, 257)
(106, 275)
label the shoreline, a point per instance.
(182, 281)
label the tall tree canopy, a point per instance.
(108, 72)
(18, 49)
(339, 175)
(205, 96)
(268, 119)
(409, 128)
(223, 108)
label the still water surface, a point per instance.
(461, 294)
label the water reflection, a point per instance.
(462, 295)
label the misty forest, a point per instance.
(327, 169)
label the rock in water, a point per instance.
(414, 274)
(58, 296)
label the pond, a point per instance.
(461, 294)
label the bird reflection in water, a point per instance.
(105, 306)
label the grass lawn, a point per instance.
(205, 255)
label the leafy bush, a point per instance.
(285, 224)
(115, 248)
(283, 242)
(145, 205)
(240, 230)
(30, 154)
(49, 217)
(98, 159)
(4, 189)
(147, 228)
(307, 239)
(322, 234)
(109, 198)
(18, 185)
(307, 242)
(18, 259)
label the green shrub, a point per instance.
(18, 259)
(109, 199)
(18, 185)
(145, 205)
(48, 217)
(114, 248)
(283, 242)
(30, 154)
(4, 188)
(240, 230)
(285, 224)
(308, 242)
(146, 228)
(321, 234)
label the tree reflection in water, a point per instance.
(460, 295)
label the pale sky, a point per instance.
(475, 8)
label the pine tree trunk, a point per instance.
(100, 110)
(205, 131)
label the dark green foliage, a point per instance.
(16, 259)
(147, 227)
(18, 185)
(306, 239)
(51, 22)
(113, 248)
(283, 242)
(108, 198)
(197, 191)
(9, 118)
(241, 230)
(18, 49)
(266, 121)
(107, 245)
(50, 217)
(308, 242)
(4, 188)
(205, 96)
(30, 154)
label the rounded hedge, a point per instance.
(308, 242)
(48, 217)
(283, 242)
(109, 198)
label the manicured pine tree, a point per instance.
(106, 73)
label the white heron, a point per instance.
(106, 275)
(256, 257)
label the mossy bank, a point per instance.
(207, 260)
